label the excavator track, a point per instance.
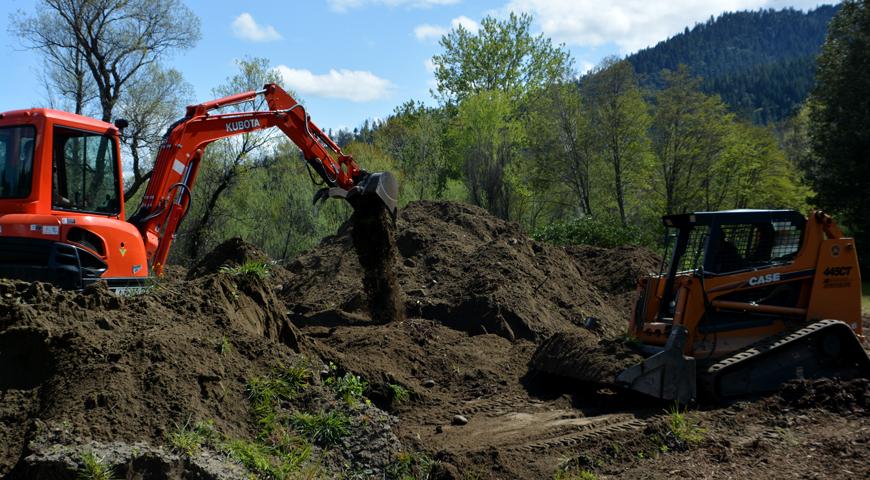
(827, 348)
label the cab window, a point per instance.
(16, 161)
(85, 176)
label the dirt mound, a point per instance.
(463, 267)
(838, 396)
(94, 368)
(231, 253)
(614, 270)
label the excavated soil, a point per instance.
(463, 268)
(455, 387)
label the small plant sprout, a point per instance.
(398, 393)
(349, 387)
(683, 430)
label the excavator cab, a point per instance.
(61, 202)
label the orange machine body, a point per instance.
(31, 224)
(729, 310)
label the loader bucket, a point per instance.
(667, 375)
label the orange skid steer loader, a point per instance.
(744, 301)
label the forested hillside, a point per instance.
(761, 63)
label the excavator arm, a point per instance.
(169, 191)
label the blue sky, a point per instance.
(349, 60)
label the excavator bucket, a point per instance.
(382, 185)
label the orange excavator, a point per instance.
(744, 301)
(62, 212)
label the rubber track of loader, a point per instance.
(758, 351)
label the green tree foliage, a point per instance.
(412, 136)
(561, 172)
(840, 120)
(503, 55)
(487, 136)
(619, 120)
(761, 63)
(688, 134)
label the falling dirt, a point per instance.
(373, 234)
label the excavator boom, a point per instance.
(168, 194)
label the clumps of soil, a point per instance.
(373, 235)
(582, 356)
(464, 268)
(837, 396)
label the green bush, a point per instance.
(592, 231)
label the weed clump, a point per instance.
(250, 268)
(94, 468)
(322, 428)
(682, 431)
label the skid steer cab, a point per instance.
(62, 212)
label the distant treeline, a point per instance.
(761, 63)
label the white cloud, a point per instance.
(427, 32)
(630, 24)
(429, 65)
(466, 23)
(246, 28)
(342, 6)
(353, 85)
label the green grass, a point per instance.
(410, 466)
(683, 430)
(269, 391)
(322, 428)
(865, 298)
(269, 461)
(94, 468)
(248, 269)
(574, 475)
(189, 439)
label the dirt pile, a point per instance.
(838, 396)
(93, 371)
(462, 267)
(581, 355)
